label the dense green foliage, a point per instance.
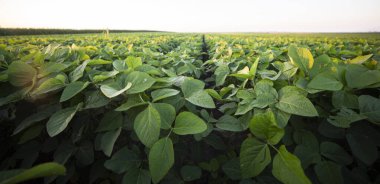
(34, 31)
(180, 108)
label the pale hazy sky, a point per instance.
(195, 15)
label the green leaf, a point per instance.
(254, 157)
(77, 73)
(50, 67)
(122, 161)
(344, 118)
(20, 73)
(108, 140)
(96, 99)
(370, 107)
(188, 123)
(161, 158)
(336, 153)
(287, 168)
(147, 126)
(137, 176)
(160, 94)
(301, 57)
(35, 118)
(325, 81)
(362, 147)
(114, 89)
(41, 170)
(264, 126)
(221, 74)
(133, 100)
(265, 94)
(72, 89)
(342, 99)
(328, 172)
(133, 62)
(50, 84)
(201, 99)
(59, 120)
(359, 76)
(111, 120)
(140, 82)
(120, 65)
(360, 59)
(232, 169)
(191, 86)
(190, 173)
(230, 123)
(296, 104)
(167, 114)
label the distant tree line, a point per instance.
(23, 31)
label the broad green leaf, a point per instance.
(160, 94)
(191, 86)
(35, 118)
(161, 159)
(167, 114)
(287, 168)
(140, 82)
(336, 153)
(190, 173)
(147, 126)
(188, 123)
(108, 140)
(342, 99)
(359, 76)
(265, 94)
(321, 64)
(360, 59)
(114, 89)
(72, 89)
(328, 172)
(120, 65)
(201, 99)
(133, 100)
(296, 104)
(133, 62)
(98, 62)
(230, 123)
(77, 73)
(137, 176)
(60, 119)
(20, 73)
(301, 57)
(122, 161)
(363, 148)
(253, 69)
(49, 85)
(345, 117)
(232, 169)
(221, 74)
(264, 127)
(103, 76)
(96, 99)
(50, 67)
(111, 120)
(41, 170)
(307, 155)
(254, 157)
(370, 107)
(325, 81)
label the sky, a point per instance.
(195, 15)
